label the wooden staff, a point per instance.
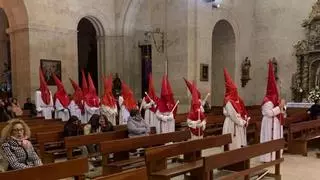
(200, 122)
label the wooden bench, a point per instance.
(72, 168)
(156, 157)
(132, 174)
(300, 134)
(245, 154)
(53, 138)
(77, 141)
(124, 146)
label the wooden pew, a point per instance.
(156, 158)
(132, 174)
(72, 168)
(76, 141)
(54, 138)
(300, 134)
(123, 146)
(245, 154)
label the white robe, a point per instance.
(124, 113)
(43, 109)
(89, 111)
(167, 122)
(150, 116)
(75, 110)
(61, 112)
(234, 124)
(270, 113)
(111, 113)
(197, 124)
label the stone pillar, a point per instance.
(20, 63)
(305, 75)
(101, 61)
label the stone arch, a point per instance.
(18, 20)
(101, 53)
(223, 56)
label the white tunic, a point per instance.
(196, 124)
(61, 112)
(75, 110)
(270, 119)
(167, 122)
(43, 109)
(111, 113)
(89, 111)
(234, 124)
(124, 113)
(150, 116)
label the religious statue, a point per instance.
(275, 67)
(116, 88)
(245, 69)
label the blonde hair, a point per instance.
(7, 130)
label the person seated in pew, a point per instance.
(16, 109)
(137, 126)
(72, 127)
(30, 106)
(314, 110)
(237, 119)
(17, 150)
(4, 117)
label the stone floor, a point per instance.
(295, 167)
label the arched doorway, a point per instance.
(91, 49)
(223, 56)
(87, 49)
(5, 57)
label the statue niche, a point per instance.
(307, 52)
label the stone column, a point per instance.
(305, 75)
(101, 61)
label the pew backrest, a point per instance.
(133, 174)
(162, 152)
(143, 141)
(53, 171)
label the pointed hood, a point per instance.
(107, 98)
(231, 95)
(152, 94)
(91, 97)
(61, 93)
(84, 84)
(190, 86)
(272, 90)
(166, 102)
(195, 112)
(77, 95)
(128, 97)
(45, 93)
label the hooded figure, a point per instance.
(108, 103)
(272, 121)
(91, 101)
(76, 105)
(61, 100)
(190, 86)
(149, 104)
(196, 118)
(236, 115)
(165, 112)
(43, 98)
(127, 103)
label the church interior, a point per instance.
(160, 89)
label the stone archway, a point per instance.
(223, 56)
(17, 15)
(91, 49)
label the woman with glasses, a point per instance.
(16, 147)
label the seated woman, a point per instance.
(72, 127)
(98, 124)
(17, 150)
(137, 126)
(16, 109)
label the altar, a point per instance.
(299, 105)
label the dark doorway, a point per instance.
(87, 50)
(5, 57)
(146, 67)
